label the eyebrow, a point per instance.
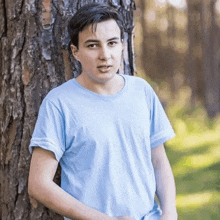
(93, 40)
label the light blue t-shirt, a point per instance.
(103, 144)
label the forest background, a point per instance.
(177, 49)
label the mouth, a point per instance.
(104, 68)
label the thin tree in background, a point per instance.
(199, 60)
(34, 58)
(211, 60)
(194, 60)
(146, 51)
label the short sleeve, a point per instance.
(49, 130)
(160, 129)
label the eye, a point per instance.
(112, 43)
(92, 45)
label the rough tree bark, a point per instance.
(34, 58)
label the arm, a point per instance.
(42, 188)
(165, 185)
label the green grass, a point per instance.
(194, 155)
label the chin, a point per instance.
(105, 77)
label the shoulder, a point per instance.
(138, 84)
(60, 92)
(136, 80)
(59, 96)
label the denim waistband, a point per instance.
(154, 215)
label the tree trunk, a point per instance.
(171, 35)
(210, 58)
(34, 58)
(148, 51)
(194, 61)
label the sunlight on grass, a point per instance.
(189, 163)
(195, 157)
(192, 127)
(184, 141)
(197, 199)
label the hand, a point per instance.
(33, 202)
(124, 218)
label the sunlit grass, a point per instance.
(194, 162)
(199, 206)
(185, 140)
(194, 155)
(197, 200)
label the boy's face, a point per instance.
(99, 51)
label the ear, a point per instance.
(122, 50)
(75, 51)
(122, 45)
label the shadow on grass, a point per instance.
(197, 176)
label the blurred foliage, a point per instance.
(177, 43)
(194, 153)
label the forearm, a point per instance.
(56, 199)
(42, 188)
(165, 184)
(166, 190)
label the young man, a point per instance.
(107, 131)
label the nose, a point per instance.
(104, 53)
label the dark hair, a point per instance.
(91, 14)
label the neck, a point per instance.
(110, 87)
